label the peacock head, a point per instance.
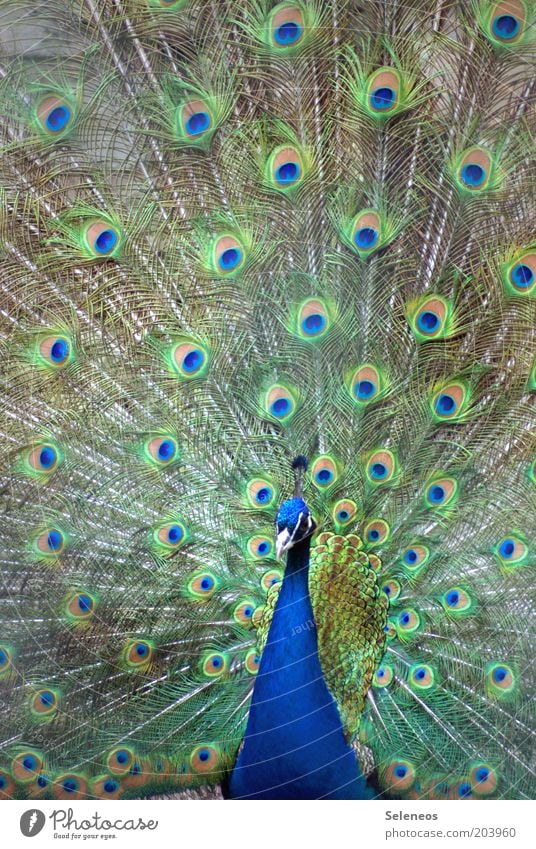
(294, 523)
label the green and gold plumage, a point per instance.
(232, 233)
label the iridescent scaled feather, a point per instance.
(232, 233)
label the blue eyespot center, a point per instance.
(70, 785)
(207, 583)
(428, 321)
(437, 494)
(401, 771)
(507, 548)
(105, 241)
(84, 603)
(499, 674)
(287, 173)
(142, 650)
(387, 589)
(3, 782)
(46, 698)
(464, 790)
(373, 534)
(411, 556)
(343, 515)
(42, 781)
(204, 755)
(288, 33)
(366, 237)
(382, 98)
(3, 657)
(365, 389)
(473, 175)
(381, 673)
(230, 258)
(324, 476)
(193, 361)
(452, 598)
(166, 449)
(313, 324)
(110, 786)
(522, 276)
(445, 405)
(420, 673)
(263, 495)
(280, 407)
(175, 534)
(482, 774)
(263, 547)
(29, 762)
(378, 471)
(216, 662)
(248, 611)
(505, 26)
(197, 123)
(47, 457)
(404, 618)
(59, 351)
(54, 540)
(58, 118)
(121, 757)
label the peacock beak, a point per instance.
(282, 543)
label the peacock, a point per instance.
(267, 318)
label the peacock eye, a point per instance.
(189, 359)
(81, 606)
(5, 660)
(474, 170)
(398, 776)
(483, 779)
(441, 492)
(377, 532)
(392, 589)
(202, 585)
(214, 664)
(260, 493)
(415, 557)
(422, 677)
(450, 402)
(55, 351)
(228, 255)
(344, 511)
(287, 26)
(273, 576)
(259, 546)
(324, 472)
(383, 92)
(162, 450)
(26, 766)
(43, 458)
(501, 680)
(286, 168)
(138, 653)
(51, 542)
(44, 704)
(280, 402)
(520, 276)
(511, 551)
(313, 319)
(54, 115)
(205, 759)
(366, 231)
(381, 467)
(506, 22)
(171, 535)
(196, 119)
(366, 384)
(383, 676)
(252, 661)
(243, 612)
(102, 238)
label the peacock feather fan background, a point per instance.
(232, 233)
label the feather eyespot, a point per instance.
(441, 492)
(215, 664)
(252, 661)
(195, 119)
(286, 26)
(138, 654)
(511, 551)
(102, 238)
(202, 585)
(506, 23)
(449, 402)
(44, 458)
(243, 612)
(430, 319)
(324, 472)
(520, 276)
(51, 542)
(81, 607)
(5, 661)
(55, 351)
(260, 546)
(383, 676)
(398, 776)
(415, 557)
(162, 450)
(344, 511)
(501, 680)
(366, 384)
(313, 319)
(483, 779)
(408, 622)
(366, 231)
(474, 170)
(273, 576)
(286, 168)
(27, 765)
(70, 786)
(105, 787)
(383, 92)
(55, 116)
(189, 360)
(228, 255)
(392, 589)
(280, 403)
(171, 535)
(44, 704)
(205, 759)
(7, 786)
(261, 494)
(377, 532)
(422, 677)
(381, 467)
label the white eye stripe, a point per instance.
(297, 525)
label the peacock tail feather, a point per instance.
(231, 233)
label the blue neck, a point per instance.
(294, 746)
